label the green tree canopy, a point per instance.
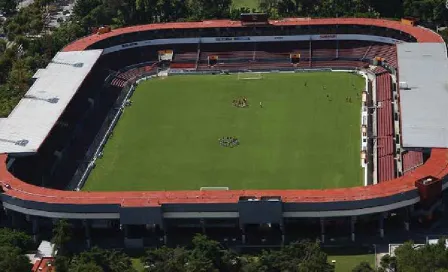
(14, 238)
(12, 260)
(208, 255)
(363, 267)
(105, 260)
(62, 234)
(85, 267)
(412, 258)
(298, 256)
(13, 244)
(8, 6)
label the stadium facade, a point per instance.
(50, 138)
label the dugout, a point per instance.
(272, 208)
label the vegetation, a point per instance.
(97, 259)
(204, 255)
(168, 138)
(412, 258)
(31, 45)
(352, 258)
(62, 232)
(208, 255)
(363, 267)
(13, 245)
(93, 260)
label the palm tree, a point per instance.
(62, 232)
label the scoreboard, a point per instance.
(254, 18)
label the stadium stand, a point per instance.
(324, 50)
(386, 51)
(124, 76)
(379, 70)
(78, 128)
(412, 160)
(385, 128)
(353, 49)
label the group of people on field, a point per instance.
(229, 141)
(240, 102)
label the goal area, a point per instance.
(250, 75)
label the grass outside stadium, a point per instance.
(304, 135)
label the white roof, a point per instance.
(39, 73)
(35, 115)
(423, 72)
(45, 249)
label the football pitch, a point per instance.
(305, 134)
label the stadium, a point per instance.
(330, 127)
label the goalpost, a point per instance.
(214, 188)
(250, 75)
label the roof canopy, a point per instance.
(423, 76)
(34, 116)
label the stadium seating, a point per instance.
(338, 64)
(324, 50)
(412, 160)
(185, 60)
(122, 77)
(353, 49)
(379, 70)
(385, 131)
(386, 51)
(315, 53)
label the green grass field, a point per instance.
(347, 258)
(304, 136)
(252, 4)
(137, 265)
(346, 263)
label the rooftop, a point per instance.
(31, 120)
(423, 94)
(422, 35)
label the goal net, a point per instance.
(214, 188)
(250, 75)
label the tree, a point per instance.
(8, 6)
(85, 267)
(14, 238)
(82, 8)
(209, 9)
(18, 79)
(231, 261)
(426, 10)
(363, 267)
(166, 259)
(2, 46)
(13, 244)
(106, 260)
(62, 263)
(12, 260)
(299, 256)
(206, 253)
(412, 258)
(388, 263)
(62, 232)
(28, 20)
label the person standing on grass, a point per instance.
(261, 105)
